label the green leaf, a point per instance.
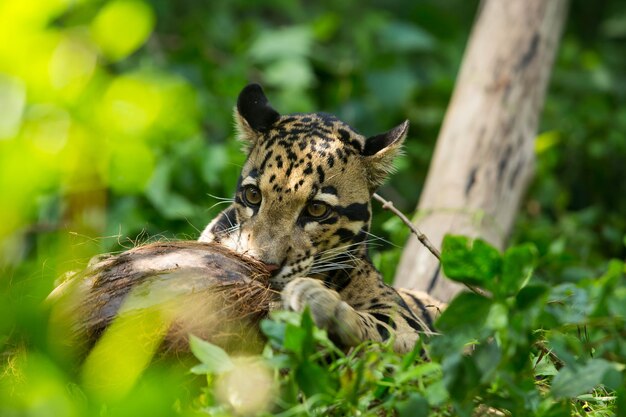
(274, 330)
(405, 37)
(436, 393)
(471, 262)
(545, 367)
(517, 268)
(498, 317)
(295, 338)
(487, 359)
(290, 42)
(460, 376)
(414, 406)
(466, 313)
(531, 295)
(418, 371)
(574, 380)
(313, 379)
(214, 359)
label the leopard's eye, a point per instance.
(252, 195)
(317, 210)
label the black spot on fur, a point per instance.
(268, 155)
(345, 235)
(346, 138)
(320, 174)
(338, 280)
(355, 212)
(329, 189)
(423, 310)
(382, 331)
(384, 318)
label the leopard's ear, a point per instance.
(253, 114)
(380, 151)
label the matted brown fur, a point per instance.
(205, 288)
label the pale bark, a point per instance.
(484, 156)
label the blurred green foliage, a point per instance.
(116, 128)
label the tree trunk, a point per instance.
(484, 156)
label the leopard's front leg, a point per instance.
(344, 323)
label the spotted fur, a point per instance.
(299, 165)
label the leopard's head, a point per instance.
(302, 204)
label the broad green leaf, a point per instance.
(466, 313)
(436, 393)
(414, 406)
(419, 371)
(573, 380)
(517, 268)
(299, 337)
(498, 317)
(530, 295)
(460, 376)
(274, 330)
(545, 367)
(214, 359)
(570, 303)
(295, 337)
(313, 379)
(471, 262)
(487, 358)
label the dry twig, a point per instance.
(388, 205)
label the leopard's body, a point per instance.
(302, 207)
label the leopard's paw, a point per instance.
(327, 309)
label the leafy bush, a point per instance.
(524, 349)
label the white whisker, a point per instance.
(218, 203)
(381, 239)
(231, 199)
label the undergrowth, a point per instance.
(523, 349)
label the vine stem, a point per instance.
(388, 205)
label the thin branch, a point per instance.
(388, 205)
